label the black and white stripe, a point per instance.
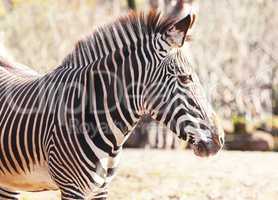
(5, 194)
(73, 121)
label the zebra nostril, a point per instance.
(204, 127)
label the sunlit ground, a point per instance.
(179, 175)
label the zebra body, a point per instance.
(65, 130)
(32, 145)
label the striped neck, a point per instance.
(116, 85)
(121, 58)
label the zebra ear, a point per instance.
(178, 33)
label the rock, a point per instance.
(270, 126)
(257, 141)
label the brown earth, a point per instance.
(179, 175)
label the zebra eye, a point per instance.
(185, 79)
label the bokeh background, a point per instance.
(235, 53)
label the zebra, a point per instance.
(65, 129)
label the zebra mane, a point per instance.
(139, 23)
(4, 63)
(18, 69)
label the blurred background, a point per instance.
(235, 53)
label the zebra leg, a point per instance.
(6, 194)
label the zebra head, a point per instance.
(175, 95)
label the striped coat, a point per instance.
(65, 130)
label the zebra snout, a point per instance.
(205, 148)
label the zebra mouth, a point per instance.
(200, 149)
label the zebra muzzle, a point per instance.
(208, 148)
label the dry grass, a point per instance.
(235, 52)
(40, 35)
(179, 175)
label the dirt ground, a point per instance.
(179, 175)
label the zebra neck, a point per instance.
(110, 110)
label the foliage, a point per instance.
(234, 51)
(239, 119)
(275, 96)
(240, 124)
(42, 39)
(276, 144)
(132, 4)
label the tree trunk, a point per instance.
(131, 4)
